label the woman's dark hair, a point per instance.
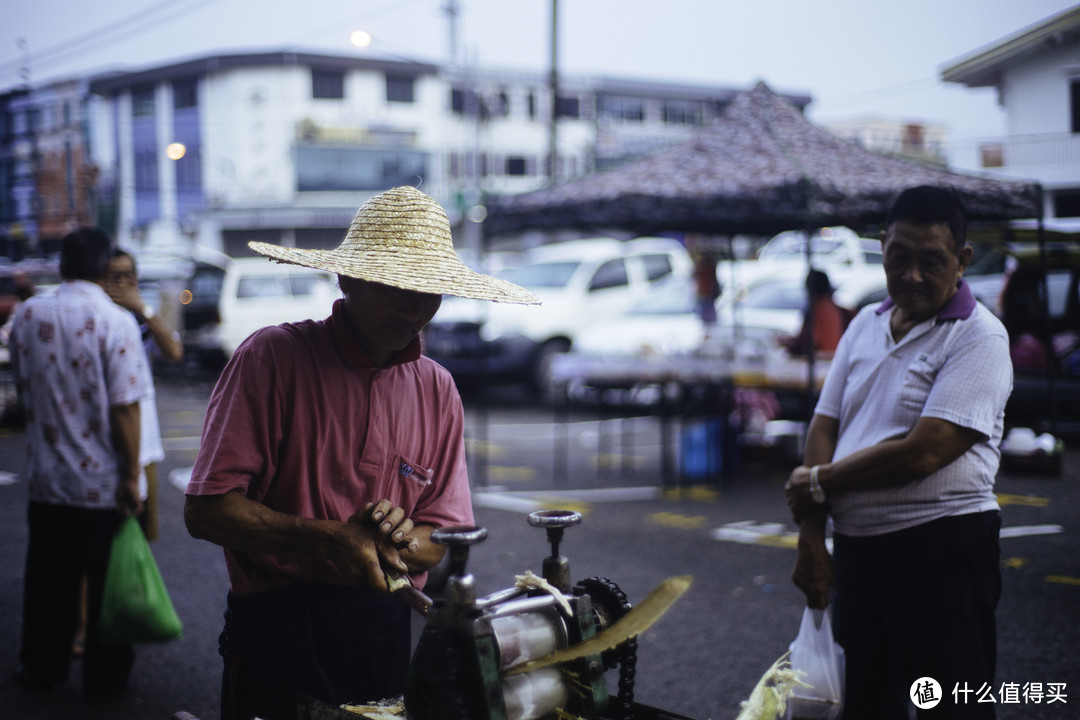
(930, 205)
(817, 284)
(119, 252)
(85, 254)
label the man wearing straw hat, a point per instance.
(331, 450)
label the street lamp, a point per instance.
(175, 151)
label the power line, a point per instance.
(160, 14)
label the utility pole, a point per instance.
(452, 10)
(553, 83)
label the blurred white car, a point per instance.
(665, 323)
(226, 304)
(580, 283)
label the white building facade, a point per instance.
(283, 147)
(1036, 73)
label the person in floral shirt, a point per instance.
(79, 362)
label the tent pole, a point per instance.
(808, 394)
(1048, 328)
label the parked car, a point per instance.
(223, 304)
(665, 323)
(580, 283)
(838, 251)
(1045, 345)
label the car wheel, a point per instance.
(542, 381)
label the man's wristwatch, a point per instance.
(147, 313)
(816, 492)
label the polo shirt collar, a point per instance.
(959, 307)
(351, 350)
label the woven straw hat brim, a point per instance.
(402, 238)
(401, 268)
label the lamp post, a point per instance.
(553, 86)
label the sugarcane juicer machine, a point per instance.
(459, 670)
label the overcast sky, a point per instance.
(855, 58)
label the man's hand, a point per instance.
(385, 533)
(797, 492)
(127, 496)
(126, 295)
(813, 571)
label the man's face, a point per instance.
(121, 271)
(386, 319)
(922, 267)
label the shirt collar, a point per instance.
(353, 353)
(959, 307)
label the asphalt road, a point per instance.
(699, 661)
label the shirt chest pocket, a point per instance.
(919, 380)
(406, 482)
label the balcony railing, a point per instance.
(1030, 150)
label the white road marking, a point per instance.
(748, 532)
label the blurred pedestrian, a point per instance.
(706, 288)
(331, 450)
(901, 453)
(823, 320)
(78, 360)
(159, 341)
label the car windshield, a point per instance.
(542, 275)
(775, 296)
(795, 246)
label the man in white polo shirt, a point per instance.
(901, 453)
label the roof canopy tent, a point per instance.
(760, 169)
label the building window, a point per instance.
(500, 104)
(146, 177)
(677, 112)
(517, 165)
(1074, 104)
(1067, 203)
(531, 100)
(622, 108)
(568, 107)
(142, 101)
(323, 168)
(327, 84)
(185, 94)
(400, 89)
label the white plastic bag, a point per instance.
(816, 653)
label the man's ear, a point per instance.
(966, 253)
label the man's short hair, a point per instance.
(85, 254)
(930, 205)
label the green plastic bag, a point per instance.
(136, 607)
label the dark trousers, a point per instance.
(331, 643)
(919, 603)
(67, 543)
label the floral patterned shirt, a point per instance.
(75, 354)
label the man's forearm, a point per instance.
(124, 422)
(239, 523)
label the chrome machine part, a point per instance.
(533, 695)
(556, 569)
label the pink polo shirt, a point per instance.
(302, 422)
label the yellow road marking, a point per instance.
(506, 473)
(683, 522)
(1023, 500)
(1015, 562)
(1062, 579)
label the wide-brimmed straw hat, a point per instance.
(402, 238)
